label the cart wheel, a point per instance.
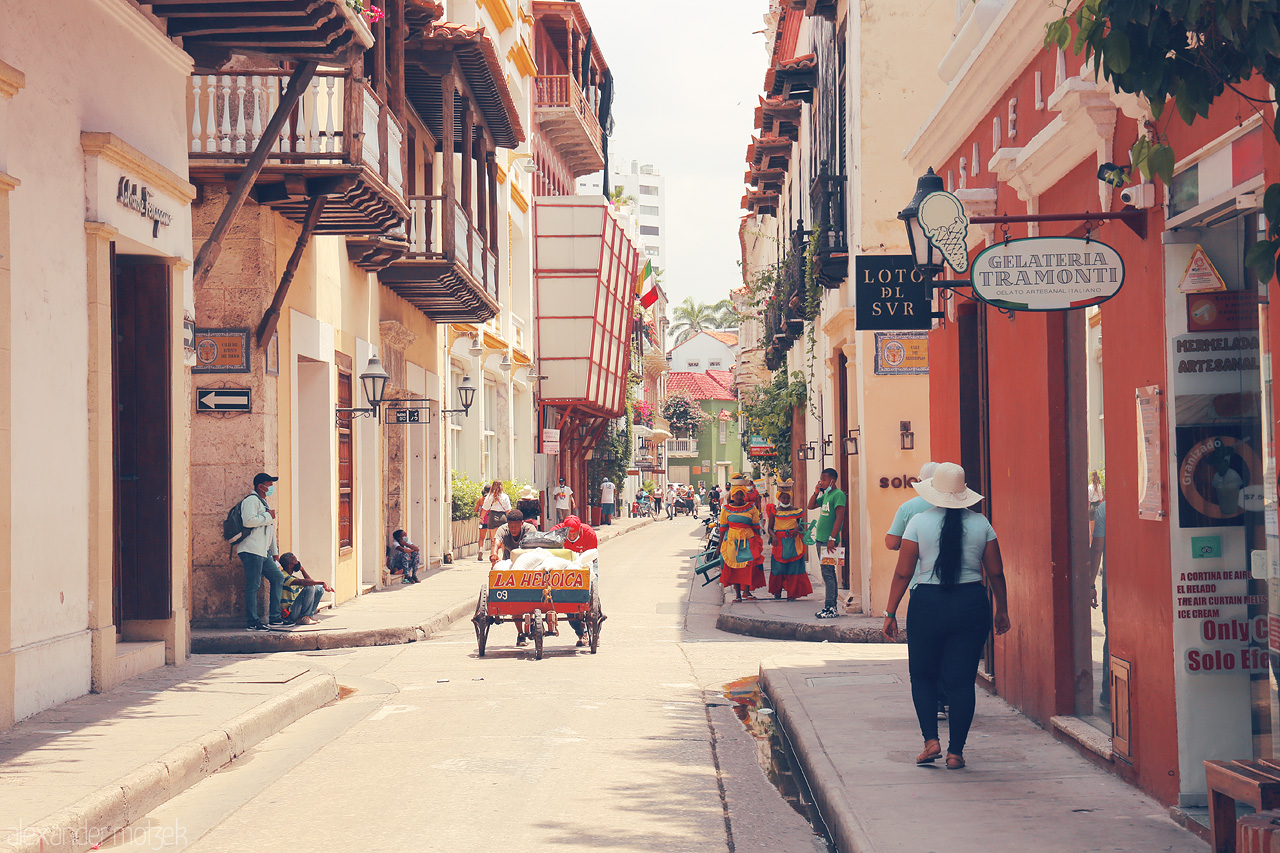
(594, 619)
(538, 629)
(481, 621)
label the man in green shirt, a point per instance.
(831, 501)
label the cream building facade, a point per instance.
(827, 158)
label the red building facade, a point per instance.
(1173, 665)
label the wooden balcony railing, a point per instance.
(439, 228)
(229, 111)
(562, 92)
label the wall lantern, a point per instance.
(583, 429)
(476, 349)
(826, 446)
(374, 382)
(927, 257)
(908, 437)
(851, 441)
(466, 396)
(505, 364)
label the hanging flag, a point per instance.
(650, 296)
(645, 272)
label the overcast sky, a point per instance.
(688, 76)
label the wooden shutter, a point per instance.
(345, 468)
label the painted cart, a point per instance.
(536, 601)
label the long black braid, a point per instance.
(950, 547)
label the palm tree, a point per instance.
(726, 315)
(689, 318)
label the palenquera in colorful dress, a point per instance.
(741, 546)
(786, 559)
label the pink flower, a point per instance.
(374, 14)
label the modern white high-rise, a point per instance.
(648, 187)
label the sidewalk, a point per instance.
(794, 620)
(398, 613)
(852, 728)
(72, 776)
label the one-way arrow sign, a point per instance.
(223, 400)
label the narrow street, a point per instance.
(433, 748)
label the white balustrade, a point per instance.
(395, 151)
(371, 109)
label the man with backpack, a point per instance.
(258, 549)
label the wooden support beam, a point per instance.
(315, 208)
(397, 31)
(212, 248)
(447, 232)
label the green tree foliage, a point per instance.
(1190, 51)
(467, 491)
(769, 410)
(689, 318)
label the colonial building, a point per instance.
(822, 204)
(705, 350)
(1174, 415)
(715, 451)
(96, 262)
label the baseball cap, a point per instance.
(264, 478)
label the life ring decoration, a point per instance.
(1198, 455)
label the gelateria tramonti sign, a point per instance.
(1047, 274)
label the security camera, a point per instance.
(1141, 196)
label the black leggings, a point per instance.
(946, 630)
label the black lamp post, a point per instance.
(927, 257)
(466, 396)
(374, 382)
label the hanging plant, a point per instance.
(683, 412)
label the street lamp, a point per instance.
(927, 257)
(466, 396)
(374, 382)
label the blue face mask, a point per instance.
(271, 490)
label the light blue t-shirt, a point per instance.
(906, 512)
(925, 529)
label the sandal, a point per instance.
(746, 596)
(955, 762)
(928, 756)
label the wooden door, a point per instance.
(141, 450)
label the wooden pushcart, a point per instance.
(536, 601)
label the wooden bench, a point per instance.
(1254, 783)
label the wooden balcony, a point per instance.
(450, 272)
(568, 120)
(827, 196)
(340, 141)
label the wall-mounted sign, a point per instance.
(759, 446)
(223, 400)
(902, 353)
(1200, 276)
(404, 416)
(944, 221)
(222, 351)
(551, 441)
(1225, 311)
(1217, 470)
(1047, 274)
(140, 200)
(1206, 547)
(890, 294)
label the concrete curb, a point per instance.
(306, 641)
(824, 780)
(783, 629)
(96, 817)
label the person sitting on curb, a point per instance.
(579, 538)
(300, 596)
(405, 557)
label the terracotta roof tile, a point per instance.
(723, 377)
(728, 338)
(699, 386)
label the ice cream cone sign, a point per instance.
(945, 223)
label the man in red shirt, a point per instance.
(579, 538)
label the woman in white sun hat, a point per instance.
(945, 553)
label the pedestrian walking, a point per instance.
(258, 550)
(478, 512)
(607, 493)
(562, 497)
(831, 502)
(946, 551)
(496, 506)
